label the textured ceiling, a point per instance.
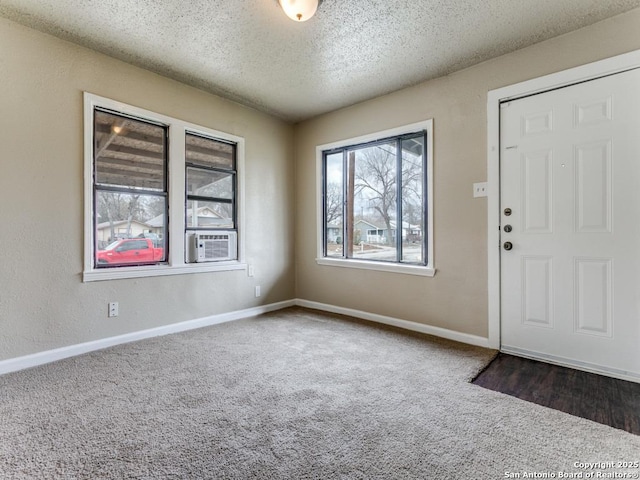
(352, 50)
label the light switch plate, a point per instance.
(480, 189)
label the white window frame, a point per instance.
(427, 270)
(176, 260)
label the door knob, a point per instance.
(508, 228)
(508, 245)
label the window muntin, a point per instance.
(371, 186)
(211, 182)
(413, 200)
(130, 199)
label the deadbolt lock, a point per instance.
(507, 212)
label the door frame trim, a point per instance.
(583, 73)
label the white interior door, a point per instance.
(570, 175)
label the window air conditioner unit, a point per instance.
(213, 246)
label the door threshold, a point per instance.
(570, 363)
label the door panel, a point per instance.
(537, 291)
(593, 182)
(537, 180)
(593, 296)
(570, 174)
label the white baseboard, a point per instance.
(575, 364)
(48, 356)
(41, 358)
(396, 322)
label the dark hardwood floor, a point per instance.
(602, 399)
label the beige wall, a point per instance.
(43, 302)
(456, 298)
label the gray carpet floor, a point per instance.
(295, 394)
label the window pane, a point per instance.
(209, 152)
(209, 214)
(382, 197)
(374, 206)
(412, 200)
(129, 153)
(209, 183)
(334, 205)
(130, 229)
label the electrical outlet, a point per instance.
(480, 189)
(113, 309)
(257, 290)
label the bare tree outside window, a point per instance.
(375, 184)
(334, 203)
(117, 207)
(382, 197)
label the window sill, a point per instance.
(159, 270)
(423, 271)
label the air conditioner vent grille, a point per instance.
(216, 246)
(213, 246)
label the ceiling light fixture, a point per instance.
(299, 10)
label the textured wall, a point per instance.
(43, 302)
(456, 298)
